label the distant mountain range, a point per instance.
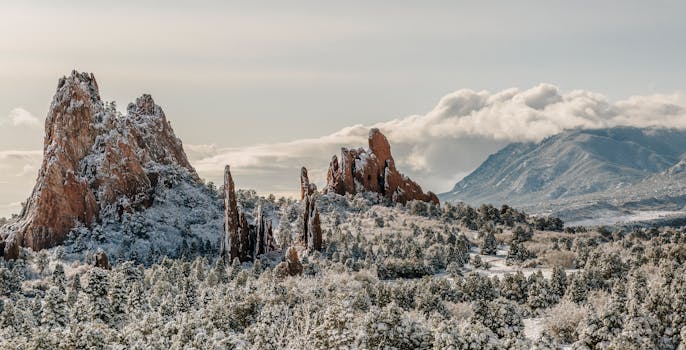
(584, 174)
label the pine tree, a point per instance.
(42, 262)
(590, 332)
(546, 342)
(8, 318)
(55, 309)
(220, 271)
(336, 330)
(74, 289)
(59, 279)
(18, 275)
(5, 281)
(540, 293)
(578, 289)
(118, 298)
(135, 301)
(235, 269)
(389, 328)
(489, 246)
(97, 290)
(558, 281)
(80, 312)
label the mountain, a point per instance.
(101, 168)
(612, 166)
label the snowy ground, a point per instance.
(628, 218)
(500, 268)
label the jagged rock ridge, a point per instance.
(95, 162)
(242, 240)
(373, 170)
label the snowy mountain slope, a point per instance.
(604, 168)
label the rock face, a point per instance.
(373, 170)
(311, 236)
(242, 240)
(95, 162)
(306, 188)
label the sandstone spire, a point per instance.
(306, 188)
(230, 243)
(243, 240)
(311, 236)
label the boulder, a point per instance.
(102, 261)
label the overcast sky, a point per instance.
(272, 86)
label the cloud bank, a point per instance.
(449, 141)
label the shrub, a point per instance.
(563, 319)
(407, 268)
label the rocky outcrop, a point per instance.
(373, 170)
(95, 162)
(243, 240)
(306, 188)
(264, 240)
(311, 236)
(291, 266)
(230, 245)
(102, 261)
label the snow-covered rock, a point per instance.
(96, 163)
(373, 170)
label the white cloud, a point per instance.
(21, 117)
(439, 147)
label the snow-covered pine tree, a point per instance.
(55, 313)
(489, 245)
(97, 290)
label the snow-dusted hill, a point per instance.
(580, 169)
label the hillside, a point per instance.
(578, 167)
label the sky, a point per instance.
(271, 86)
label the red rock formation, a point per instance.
(311, 236)
(242, 240)
(95, 161)
(231, 242)
(373, 170)
(245, 249)
(314, 231)
(291, 266)
(306, 188)
(102, 261)
(264, 235)
(334, 182)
